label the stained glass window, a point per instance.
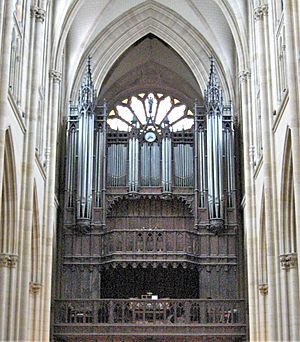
(148, 109)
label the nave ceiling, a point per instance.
(108, 30)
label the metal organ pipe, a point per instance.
(99, 166)
(166, 163)
(229, 155)
(214, 110)
(71, 155)
(86, 108)
(133, 163)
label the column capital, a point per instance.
(244, 75)
(263, 289)
(13, 260)
(35, 287)
(38, 13)
(260, 12)
(55, 75)
(4, 260)
(288, 261)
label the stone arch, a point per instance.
(8, 225)
(150, 17)
(230, 10)
(288, 243)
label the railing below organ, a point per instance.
(160, 311)
(149, 241)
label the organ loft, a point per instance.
(150, 240)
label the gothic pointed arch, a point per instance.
(8, 236)
(151, 17)
(288, 225)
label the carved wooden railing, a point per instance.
(139, 311)
(150, 241)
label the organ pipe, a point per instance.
(214, 108)
(133, 159)
(71, 155)
(86, 107)
(100, 148)
(201, 163)
(166, 158)
(229, 155)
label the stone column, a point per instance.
(50, 200)
(289, 264)
(13, 262)
(284, 300)
(293, 105)
(4, 294)
(248, 218)
(38, 16)
(260, 16)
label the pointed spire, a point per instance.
(86, 95)
(89, 80)
(213, 81)
(213, 95)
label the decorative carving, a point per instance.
(288, 261)
(216, 225)
(244, 76)
(55, 75)
(8, 260)
(83, 226)
(4, 260)
(263, 289)
(34, 287)
(38, 13)
(260, 12)
(13, 260)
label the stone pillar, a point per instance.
(13, 262)
(4, 294)
(38, 16)
(248, 218)
(289, 265)
(293, 104)
(284, 301)
(50, 200)
(260, 16)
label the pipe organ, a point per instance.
(150, 202)
(152, 154)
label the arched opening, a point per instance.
(8, 238)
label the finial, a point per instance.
(212, 74)
(89, 79)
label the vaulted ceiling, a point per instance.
(136, 43)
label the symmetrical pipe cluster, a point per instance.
(129, 159)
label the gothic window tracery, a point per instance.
(138, 110)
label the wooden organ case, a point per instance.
(150, 245)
